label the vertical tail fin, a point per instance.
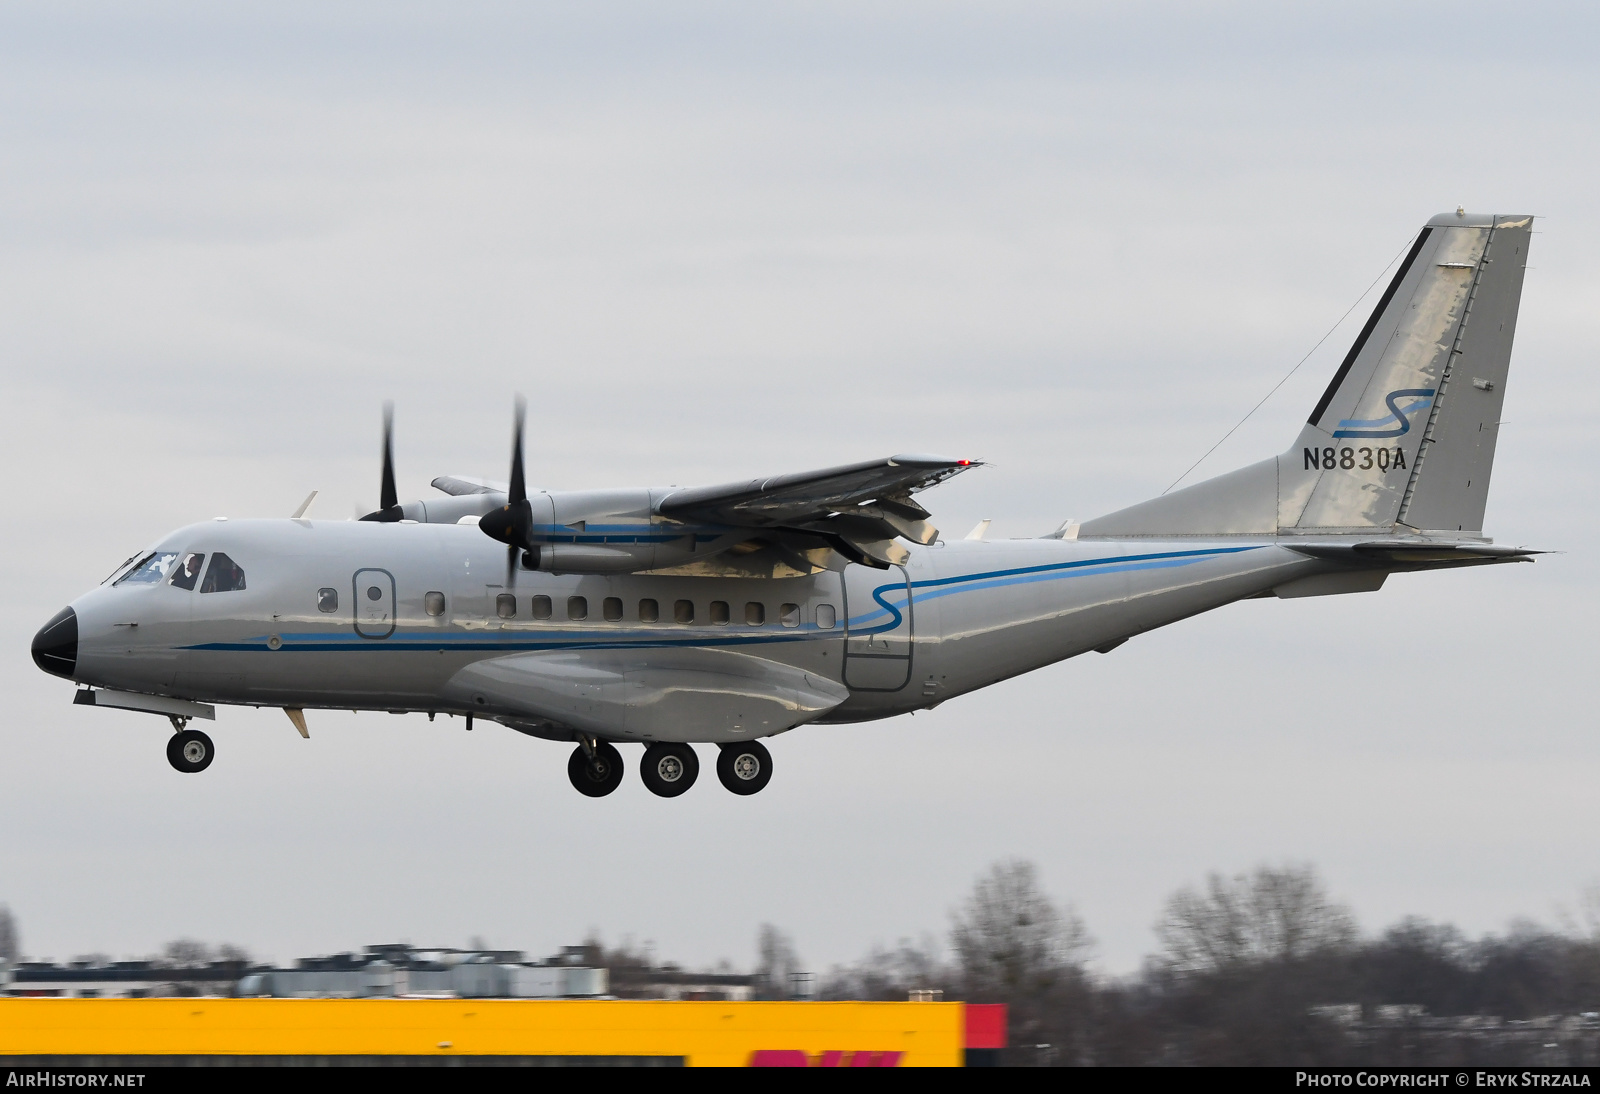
(1404, 436)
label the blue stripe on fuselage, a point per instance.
(611, 639)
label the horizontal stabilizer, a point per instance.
(1416, 554)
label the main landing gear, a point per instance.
(190, 751)
(668, 768)
(744, 768)
(595, 768)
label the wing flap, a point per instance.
(856, 509)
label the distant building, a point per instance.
(394, 970)
(672, 982)
(118, 979)
(414, 972)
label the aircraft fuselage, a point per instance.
(364, 616)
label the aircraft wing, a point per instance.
(857, 509)
(459, 486)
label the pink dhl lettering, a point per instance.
(794, 1057)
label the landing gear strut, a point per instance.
(595, 768)
(668, 769)
(744, 768)
(190, 751)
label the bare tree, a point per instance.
(1589, 911)
(1013, 945)
(887, 974)
(776, 962)
(1010, 940)
(10, 940)
(185, 953)
(1273, 914)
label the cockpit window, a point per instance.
(224, 576)
(121, 567)
(151, 570)
(187, 572)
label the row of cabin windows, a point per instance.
(611, 609)
(683, 611)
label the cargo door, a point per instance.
(878, 638)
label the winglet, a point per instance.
(980, 529)
(305, 506)
(298, 717)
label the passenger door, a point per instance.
(878, 640)
(372, 594)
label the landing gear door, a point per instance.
(878, 641)
(373, 596)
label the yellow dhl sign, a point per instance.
(695, 1034)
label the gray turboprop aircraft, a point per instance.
(727, 614)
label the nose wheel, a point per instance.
(745, 768)
(669, 769)
(597, 771)
(190, 751)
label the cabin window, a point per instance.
(223, 576)
(540, 607)
(151, 570)
(577, 607)
(328, 600)
(187, 572)
(719, 612)
(683, 611)
(789, 615)
(432, 603)
(755, 614)
(612, 609)
(649, 611)
(826, 617)
(505, 605)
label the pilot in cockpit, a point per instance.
(188, 571)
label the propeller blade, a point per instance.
(388, 510)
(519, 487)
(512, 523)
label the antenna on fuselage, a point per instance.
(388, 510)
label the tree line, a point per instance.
(1262, 968)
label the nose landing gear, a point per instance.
(190, 751)
(669, 769)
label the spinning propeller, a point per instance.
(388, 511)
(512, 523)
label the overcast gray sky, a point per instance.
(718, 240)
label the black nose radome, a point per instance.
(55, 647)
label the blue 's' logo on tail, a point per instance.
(1398, 417)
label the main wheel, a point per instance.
(744, 768)
(599, 778)
(669, 769)
(190, 751)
